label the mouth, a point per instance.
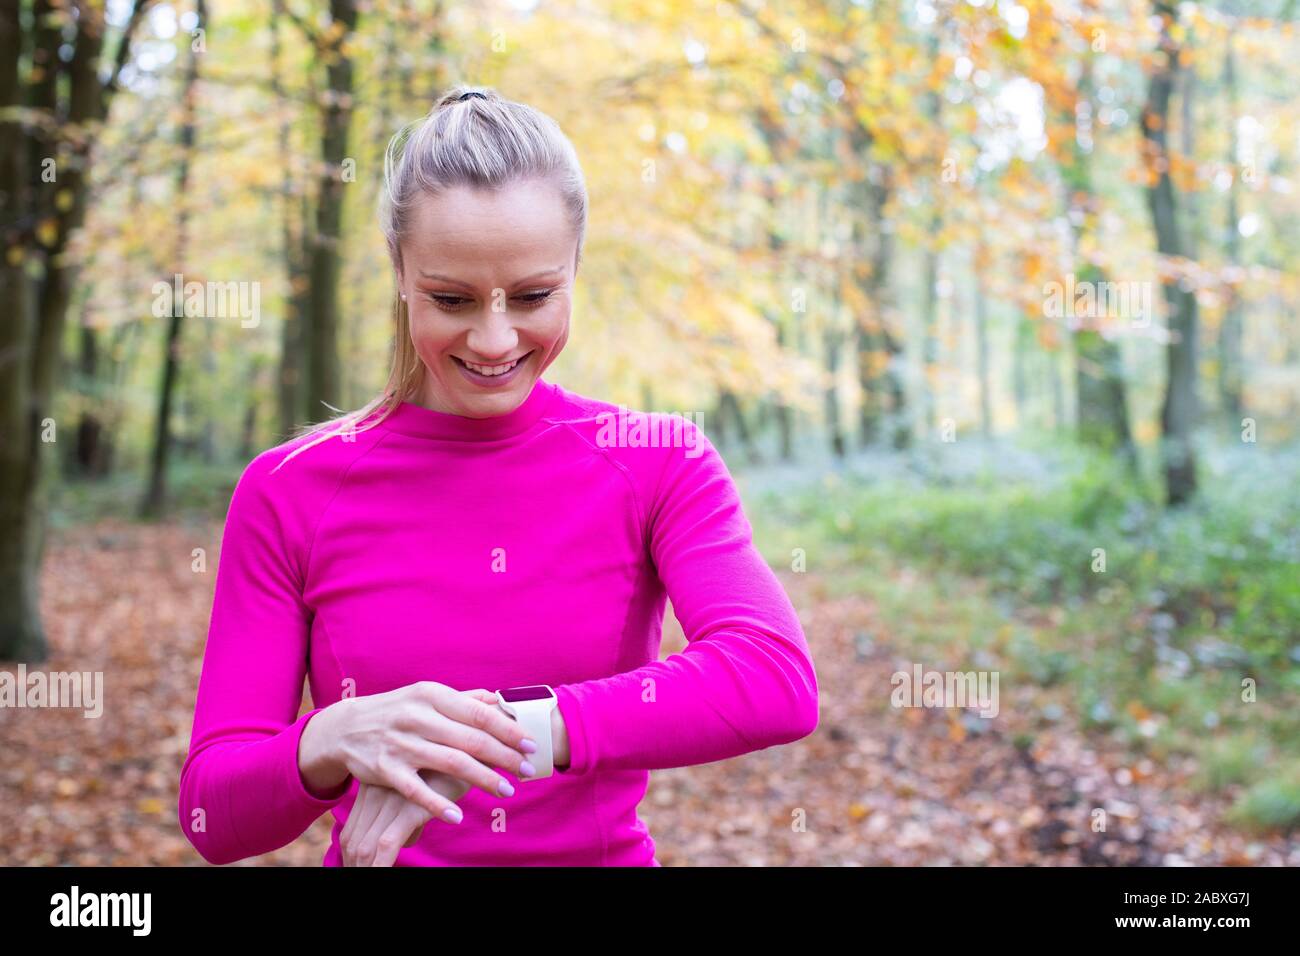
(497, 374)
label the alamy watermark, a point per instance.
(73, 689)
(922, 688)
(130, 910)
(1132, 301)
(631, 429)
(213, 300)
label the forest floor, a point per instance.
(872, 785)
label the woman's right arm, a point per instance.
(241, 793)
(242, 786)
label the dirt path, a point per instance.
(874, 785)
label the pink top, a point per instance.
(535, 547)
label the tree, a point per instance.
(155, 496)
(49, 123)
(324, 239)
(1178, 412)
(1099, 370)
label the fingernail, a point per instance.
(505, 789)
(528, 746)
(452, 815)
(526, 769)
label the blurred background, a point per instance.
(991, 306)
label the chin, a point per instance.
(484, 404)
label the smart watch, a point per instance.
(532, 706)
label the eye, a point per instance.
(448, 302)
(536, 298)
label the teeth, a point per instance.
(492, 369)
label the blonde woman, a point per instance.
(477, 529)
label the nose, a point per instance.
(494, 338)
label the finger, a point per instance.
(402, 831)
(350, 824)
(479, 714)
(410, 786)
(450, 787)
(447, 729)
(416, 819)
(358, 811)
(418, 832)
(458, 764)
(360, 817)
(375, 843)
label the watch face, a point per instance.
(515, 695)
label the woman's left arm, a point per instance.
(746, 679)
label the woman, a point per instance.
(476, 526)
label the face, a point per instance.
(488, 279)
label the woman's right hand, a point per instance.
(381, 822)
(387, 739)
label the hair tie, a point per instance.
(465, 96)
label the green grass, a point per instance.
(193, 489)
(1272, 803)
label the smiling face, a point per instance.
(488, 280)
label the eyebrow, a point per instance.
(536, 275)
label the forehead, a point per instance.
(477, 233)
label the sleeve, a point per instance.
(744, 682)
(241, 793)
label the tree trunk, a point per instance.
(1178, 412)
(774, 137)
(155, 499)
(290, 406)
(781, 410)
(929, 330)
(1053, 368)
(22, 637)
(1019, 357)
(92, 455)
(34, 279)
(1229, 346)
(1101, 407)
(882, 391)
(982, 340)
(1099, 384)
(729, 406)
(833, 340)
(323, 378)
(931, 267)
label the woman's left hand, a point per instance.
(382, 821)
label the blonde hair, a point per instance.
(471, 137)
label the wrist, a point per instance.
(319, 763)
(559, 740)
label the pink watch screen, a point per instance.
(515, 695)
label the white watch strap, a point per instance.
(535, 715)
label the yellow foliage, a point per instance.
(47, 232)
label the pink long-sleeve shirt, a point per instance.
(536, 547)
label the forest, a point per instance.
(992, 306)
